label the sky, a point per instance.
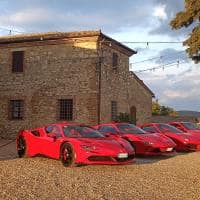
(176, 85)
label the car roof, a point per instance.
(60, 124)
(113, 123)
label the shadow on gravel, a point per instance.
(152, 159)
(8, 152)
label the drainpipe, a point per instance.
(99, 70)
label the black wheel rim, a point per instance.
(67, 156)
(21, 147)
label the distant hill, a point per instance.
(188, 113)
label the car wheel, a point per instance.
(67, 155)
(21, 147)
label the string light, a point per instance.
(177, 63)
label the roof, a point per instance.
(142, 83)
(33, 37)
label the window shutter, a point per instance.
(115, 61)
(17, 61)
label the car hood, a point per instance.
(186, 136)
(194, 131)
(110, 144)
(151, 137)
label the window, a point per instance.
(177, 126)
(17, 61)
(130, 129)
(81, 132)
(66, 109)
(115, 61)
(190, 126)
(150, 129)
(53, 129)
(36, 133)
(165, 128)
(113, 110)
(107, 129)
(16, 109)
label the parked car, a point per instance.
(74, 144)
(184, 141)
(143, 142)
(187, 127)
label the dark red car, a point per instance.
(74, 144)
(184, 141)
(143, 142)
(187, 127)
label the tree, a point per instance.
(158, 109)
(190, 15)
(155, 108)
(125, 117)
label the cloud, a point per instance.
(159, 11)
(180, 91)
(170, 55)
(67, 15)
(147, 20)
(171, 94)
(171, 8)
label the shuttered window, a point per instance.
(66, 109)
(115, 61)
(113, 110)
(17, 61)
(16, 109)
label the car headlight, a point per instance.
(148, 143)
(88, 147)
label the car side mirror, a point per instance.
(52, 135)
(109, 134)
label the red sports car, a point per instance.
(142, 142)
(187, 127)
(184, 141)
(74, 144)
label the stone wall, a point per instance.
(51, 72)
(67, 69)
(118, 85)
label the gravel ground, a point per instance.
(158, 178)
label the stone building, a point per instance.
(75, 76)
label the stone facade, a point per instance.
(63, 66)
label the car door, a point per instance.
(51, 145)
(33, 141)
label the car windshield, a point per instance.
(78, 131)
(130, 128)
(191, 126)
(168, 128)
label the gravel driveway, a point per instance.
(177, 177)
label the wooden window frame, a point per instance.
(66, 109)
(115, 61)
(14, 108)
(17, 61)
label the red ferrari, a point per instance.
(74, 144)
(187, 127)
(142, 142)
(184, 141)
